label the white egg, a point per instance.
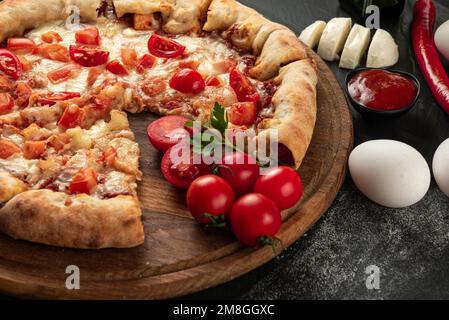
(442, 39)
(390, 173)
(441, 167)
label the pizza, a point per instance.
(69, 163)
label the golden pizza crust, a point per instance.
(295, 108)
(16, 16)
(10, 187)
(84, 222)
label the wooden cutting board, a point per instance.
(178, 256)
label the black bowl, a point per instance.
(374, 114)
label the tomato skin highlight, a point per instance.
(255, 216)
(145, 62)
(241, 172)
(242, 87)
(21, 44)
(88, 57)
(10, 64)
(187, 81)
(8, 149)
(117, 68)
(72, 117)
(85, 181)
(243, 113)
(212, 195)
(164, 47)
(213, 81)
(282, 185)
(167, 131)
(89, 35)
(6, 103)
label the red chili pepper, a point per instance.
(426, 52)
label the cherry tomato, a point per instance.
(10, 64)
(63, 73)
(210, 195)
(181, 175)
(188, 81)
(72, 117)
(8, 149)
(164, 47)
(54, 51)
(242, 87)
(88, 57)
(6, 103)
(117, 68)
(241, 172)
(282, 185)
(52, 97)
(51, 37)
(89, 35)
(213, 81)
(21, 44)
(254, 218)
(34, 149)
(243, 113)
(167, 131)
(85, 181)
(145, 62)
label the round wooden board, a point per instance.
(178, 256)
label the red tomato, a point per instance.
(72, 117)
(145, 62)
(243, 113)
(187, 81)
(52, 97)
(22, 94)
(51, 37)
(243, 88)
(64, 73)
(117, 68)
(164, 47)
(6, 103)
(8, 149)
(183, 174)
(167, 131)
(85, 181)
(10, 64)
(109, 156)
(54, 51)
(88, 36)
(254, 218)
(282, 185)
(88, 57)
(129, 57)
(21, 44)
(58, 141)
(240, 171)
(210, 195)
(26, 64)
(213, 81)
(34, 149)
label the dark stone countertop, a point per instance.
(410, 246)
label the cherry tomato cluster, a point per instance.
(236, 195)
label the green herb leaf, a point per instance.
(218, 119)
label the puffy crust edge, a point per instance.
(16, 16)
(295, 108)
(10, 187)
(57, 219)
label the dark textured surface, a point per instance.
(410, 246)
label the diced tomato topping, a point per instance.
(58, 141)
(6, 103)
(51, 37)
(54, 51)
(213, 81)
(8, 149)
(109, 155)
(117, 68)
(72, 117)
(242, 87)
(145, 62)
(164, 47)
(5, 84)
(93, 75)
(23, 92)
(10, 64)
(52, 97)
(34, 149)
(21, 44)
(85, 181)
(129, 57)
(89, 35)
(243, 113)
(88, 57)
(188, 81)
(64, 73)
(26, 64)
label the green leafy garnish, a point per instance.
(218, 119)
